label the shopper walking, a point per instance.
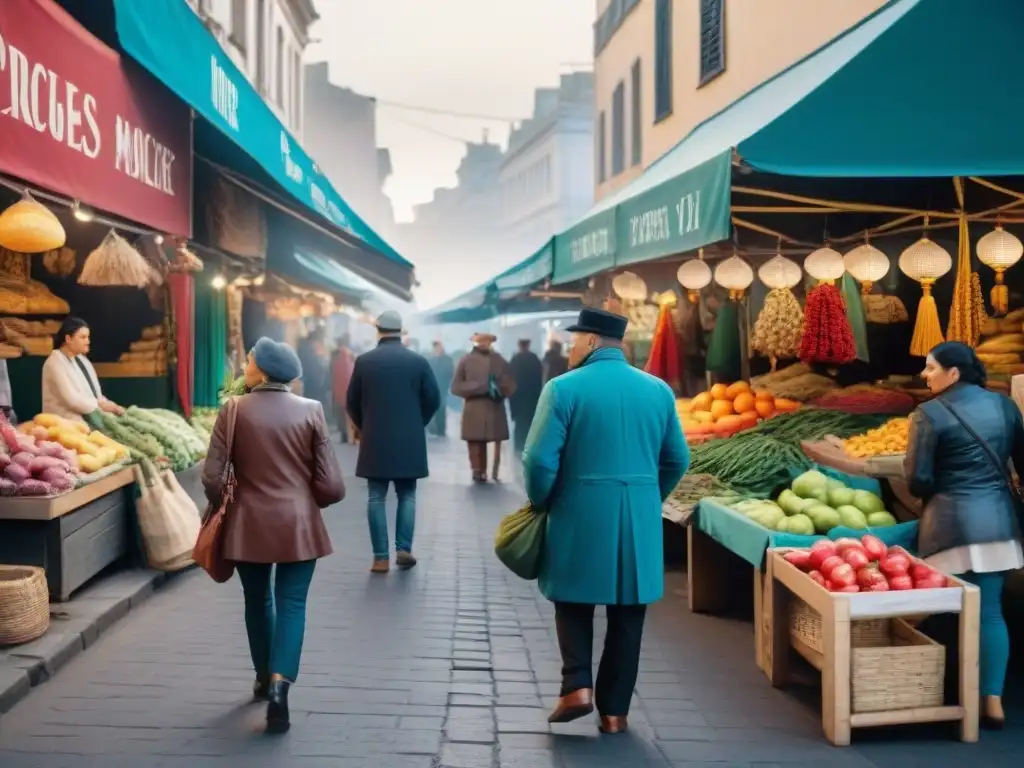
(605, 450)
(528, 373)
(443, 368)
(959, 448)
(555, 363)
(391, 399)
(342, 365)
(285, 472)
(483, 380)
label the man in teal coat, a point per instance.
(606, 448)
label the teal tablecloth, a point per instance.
(749, 540)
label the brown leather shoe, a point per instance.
(572, 707)
(612, 724)
(380, 566)
(405, 560)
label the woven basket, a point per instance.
(805, 625)
(24, 604)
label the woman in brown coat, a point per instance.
(285, 473)
(484, 381)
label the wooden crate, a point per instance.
(838, 662)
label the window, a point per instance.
(296, 91)
(279, 62)
(602, 170)
(238, 22)
(712, 39)
(619, 129)
(636, 119)
(261, 47)
(662, 59)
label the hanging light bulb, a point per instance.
(867, 264)
(80, 212)
(158, 239)
(735, 275)
(1000, 250)
(825, 264)
(694, 275)
(218, 282)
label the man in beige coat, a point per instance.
(483, 380)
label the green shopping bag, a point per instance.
(519, 542)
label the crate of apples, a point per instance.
(864, 565)
(726, 409)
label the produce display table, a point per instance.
(72, 536)
(859, 678)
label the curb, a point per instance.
(74, 626)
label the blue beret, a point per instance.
(277, 360)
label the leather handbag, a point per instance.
(209, 549)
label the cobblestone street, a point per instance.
(451, 664)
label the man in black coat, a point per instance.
(391, 399)
(528, 372)
(444, 369)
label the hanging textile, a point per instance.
(856, 315)
(663, 360)
(211, 359)
(828, 337)
(724, 354)
(182, 291)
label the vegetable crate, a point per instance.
(876, 668)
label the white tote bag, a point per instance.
(169, 521)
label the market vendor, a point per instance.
(71, 388)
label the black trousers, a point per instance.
(620, 660)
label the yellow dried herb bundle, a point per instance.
(116, 262)
(780, 326)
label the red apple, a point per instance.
(874, 546)
(869, 575)
(830, 564)
(818, 578)
(879, 586)
(935, 580)
(920, 571)
(857, 558)
(844, 575)
(900, 582)
(801, 558)
(895, 565)
(846, 543)
(820, 552)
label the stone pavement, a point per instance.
(451, 664)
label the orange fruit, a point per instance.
(720, 392)
(743, 403)
(764, 408)
(735, 390)
(786, 406)
(701, 402)
(721, 408)
(703, 417)
(748, 419)
(764, 394)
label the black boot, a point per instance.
(277, 707)
(260, 688)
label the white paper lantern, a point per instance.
(825, 264)
(925, 261)
(735, 274)
(780, 272)
(629, 287)
(867, 264)
(694, 275)
(1000, 249)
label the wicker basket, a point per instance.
(24, 604)
(805, 625)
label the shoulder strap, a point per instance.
(88, 378)
(231, 413)
(993, 457)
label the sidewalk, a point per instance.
(451, 664)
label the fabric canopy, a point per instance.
(170, 41)
(319, 272)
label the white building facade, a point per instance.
(267, 40)
(547, 175)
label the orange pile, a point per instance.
(729, 408)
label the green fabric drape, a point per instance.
(855, 313)
(724, 352)
(211, 343)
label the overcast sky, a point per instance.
(478, 56)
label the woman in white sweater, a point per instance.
(71, 388)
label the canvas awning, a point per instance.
(320, 273)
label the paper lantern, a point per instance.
(780, 272)
(825, 264)
(1000, 250)
(926, 261)
(736, 275)
(29, 227)
(867, 264)
(629, 287)
(694, 275)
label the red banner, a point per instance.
(78, 119)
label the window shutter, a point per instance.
(662, 59)
(636, 122)
(712, 39)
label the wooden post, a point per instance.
(776, 607)
(970, 696)
(835, 672)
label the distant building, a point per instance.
(266, 39)
(547, 175)
(341, 135)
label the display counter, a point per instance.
(72, 536)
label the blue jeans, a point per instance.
(995, 638)
(405, 517)
(275, 616)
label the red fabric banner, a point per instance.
(78, 119)
(183, 304)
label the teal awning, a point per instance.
(586, 248)
(168, 39)
(320, 273)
